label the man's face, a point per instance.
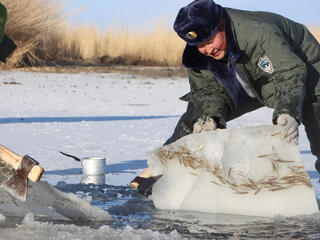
(215, 47)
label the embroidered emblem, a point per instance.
(191, 35)
(266, 65)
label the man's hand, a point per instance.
(289, 132)
(207, 125)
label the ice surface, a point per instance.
(41, 231)
(45, 201)
(246, 171)
(119, 117)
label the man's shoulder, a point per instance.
(238, 16)
(258, 21)
(253, 27)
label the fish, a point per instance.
(258, 190)
(240, 192)
(215, 182)
(283, 161)
(275, 134)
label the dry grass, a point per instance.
(45, 37)
(119, 46)
(316, 32)
(158, 47)
(29, 24)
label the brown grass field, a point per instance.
(46, 38)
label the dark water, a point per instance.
(127, 207)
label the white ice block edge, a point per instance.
(246, 171)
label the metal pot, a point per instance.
(94, 179)
(93, 166)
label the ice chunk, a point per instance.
(2, 217)
(247, 171)
(47, 201)
(28, 218)
(40, 231)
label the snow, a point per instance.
(114, 116)
(245, 171)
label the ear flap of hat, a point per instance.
(3, 20)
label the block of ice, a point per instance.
(246, 171)
(46, 201)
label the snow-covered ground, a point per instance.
(116, 116)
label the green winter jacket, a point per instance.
(3, 19)
(293, 52)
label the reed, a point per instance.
(45, 37)
(316, 32)
(29, 24)
(116, 45)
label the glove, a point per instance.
(289, 132)
(208, 125)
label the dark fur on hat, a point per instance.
(197, 22)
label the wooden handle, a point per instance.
(35, 173)
(10, 157)
(14, 160)
(145, 174)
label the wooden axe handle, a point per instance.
(146, 173)
(14, 160)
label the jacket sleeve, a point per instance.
(184, 125)
(289, 73)
(208, 97)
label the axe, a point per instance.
(24, 168)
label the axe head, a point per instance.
(17, 181)
(17, 186)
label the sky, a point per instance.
(146, 13)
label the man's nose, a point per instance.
(202, 50)
(207, 51)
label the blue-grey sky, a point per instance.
(144, 13)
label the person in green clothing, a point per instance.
(238, 61)
(7, 46)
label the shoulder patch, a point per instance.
(266, 65)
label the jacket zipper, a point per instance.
(244, 71)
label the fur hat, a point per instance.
(197, 22)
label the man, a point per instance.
(238, 61)
(7, 46)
